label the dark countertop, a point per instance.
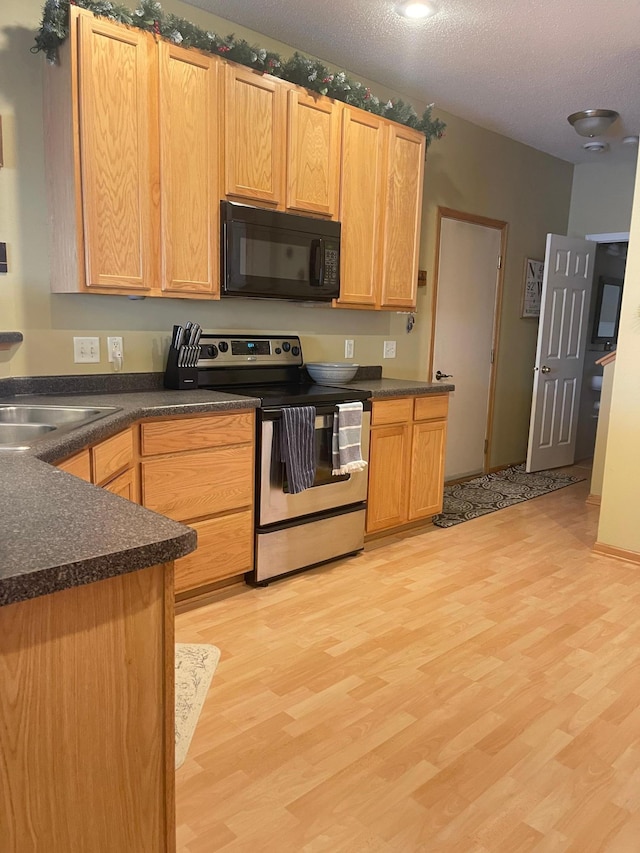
(58, 531)
(7, 338)
(381, 388)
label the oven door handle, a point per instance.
(275, 413)
(316, 263)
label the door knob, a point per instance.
(545, 369)
(440, 375)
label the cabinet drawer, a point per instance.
(112, 456)
(225, 548)
(175, 436)
(391, 411)
(431, 407)
(198, 484)
(78, 465)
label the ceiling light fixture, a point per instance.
(592, 122)
(415, 9)
(630, 140)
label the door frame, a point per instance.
(503, 228)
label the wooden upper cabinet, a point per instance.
(118, 139)
(313, 154)
(403, 209)
(361, 206)
(189, 171)
(254, 148)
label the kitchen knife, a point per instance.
(174, 337)
(194, 334)
(178, 338)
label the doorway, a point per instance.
(610, 265)
(464, 341)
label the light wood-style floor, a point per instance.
(475, 689)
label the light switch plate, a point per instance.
(348, 348)
(86, 350)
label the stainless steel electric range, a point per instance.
(326, 521)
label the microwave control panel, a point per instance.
(331, 263)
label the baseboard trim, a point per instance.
(618, 553)
(594, 500)
(496, 468)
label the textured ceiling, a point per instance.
(517, 68)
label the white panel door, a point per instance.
(465, 312)
(562, 335)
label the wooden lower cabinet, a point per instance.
(406, 460)
(87, 708)
(200, 471)
(110, 464)
(427, 469)
(388, 455)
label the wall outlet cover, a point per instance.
(389, 349)
(348, 348)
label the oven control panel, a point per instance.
(249, 350)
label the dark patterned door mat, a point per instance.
(464, 501)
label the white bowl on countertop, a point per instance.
(331, 371)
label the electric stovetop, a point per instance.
(299, 394)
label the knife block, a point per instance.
(181, 378)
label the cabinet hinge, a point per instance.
(486, 446)
(499, 262)
(493, 355)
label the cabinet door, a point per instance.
(78, 465)
(388, 488)
(189, 171)
(403, 210)
(254, 136)
(427, 469)
(124, 485)
(361, 207)
(118, 146)
(111, 456)
(313, 154)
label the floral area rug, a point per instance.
(195, 665)
(464, 501)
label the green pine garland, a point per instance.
(299, 69)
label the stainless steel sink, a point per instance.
(23, 425)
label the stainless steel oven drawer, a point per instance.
(301, 545)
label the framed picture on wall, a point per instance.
(532, 288)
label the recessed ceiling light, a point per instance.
(416, 9)
(630, 140)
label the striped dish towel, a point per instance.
(346, 452)
(298, 446)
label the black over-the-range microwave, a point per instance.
(271, 255)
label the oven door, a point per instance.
(327, 493)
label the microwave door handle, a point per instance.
(316, 265)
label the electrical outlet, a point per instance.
(86, 350)
(389, 349)
(348, 348)
(115, 349)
